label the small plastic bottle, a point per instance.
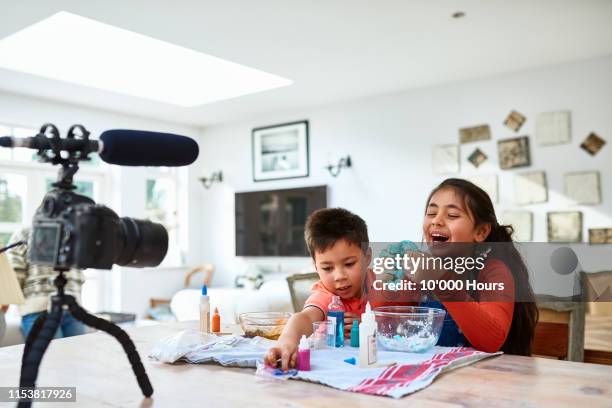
(216, 321)
(368, 353)
(355, 334)
(335, 315)
(205, 311)
(303, 360)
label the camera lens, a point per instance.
(145, 243)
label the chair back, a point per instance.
(300, 288)
(560, 329)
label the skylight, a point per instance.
(82, 51)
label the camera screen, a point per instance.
(44, 243)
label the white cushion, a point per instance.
(273, 296)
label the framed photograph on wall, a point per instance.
(280, 151)
(583, 187)
(564, 226)
(514, 152)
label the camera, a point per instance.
(70, 230)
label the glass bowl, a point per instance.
(408, 328)
(264, 324)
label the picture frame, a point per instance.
(281, 151)
(600, 236)
(583, 187)
(592, 144)
(515, 120)
(477, 157)
(553, 128)
(514, 152)
(530, 188)
(564, 226)
(474, 133)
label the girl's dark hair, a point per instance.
(525, 315)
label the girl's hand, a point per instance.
(423, 273)
(284, 351)
(348, 323)
(4, 308)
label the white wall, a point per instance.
(128, 289)
(390, 140)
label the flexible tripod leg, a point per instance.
(31, 360)
(36, 327)
(122, 337)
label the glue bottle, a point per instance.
(367, 339)
(303, 360)
(335, 317)
(205, 311)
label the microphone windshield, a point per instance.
(142, 148)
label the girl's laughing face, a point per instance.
(447, 219)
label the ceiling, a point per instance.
(334, 50)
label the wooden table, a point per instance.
(96, 365)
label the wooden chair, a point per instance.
(208, 271)
(299, 288)
(560, 329)
(598, 290)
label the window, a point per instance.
(85, 188)
(162, 207)
(12, 204)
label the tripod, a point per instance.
(44, 329)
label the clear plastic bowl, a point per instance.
(264, 324)
(408, 328)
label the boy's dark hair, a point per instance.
(327, 226)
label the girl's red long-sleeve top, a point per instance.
(485, 323)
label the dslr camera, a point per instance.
(70, 230)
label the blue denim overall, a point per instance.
(451, 335)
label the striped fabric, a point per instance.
(37, 281)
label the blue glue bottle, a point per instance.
(335, 315)
(355, 334)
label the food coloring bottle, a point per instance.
(303, 360)
(355, 334)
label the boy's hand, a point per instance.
(348, 323)
(286, 352)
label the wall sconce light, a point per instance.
(343, 163)
(215, 176)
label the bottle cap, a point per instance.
(204, 291)
(355, 325)
(368, 316)
(304, 343)
(216, 311)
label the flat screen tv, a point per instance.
(271, 223)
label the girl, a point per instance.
(460, 212)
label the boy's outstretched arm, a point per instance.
(287, 345)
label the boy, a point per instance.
(339, 246)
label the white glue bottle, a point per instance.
(367, 339)
(205, 311)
